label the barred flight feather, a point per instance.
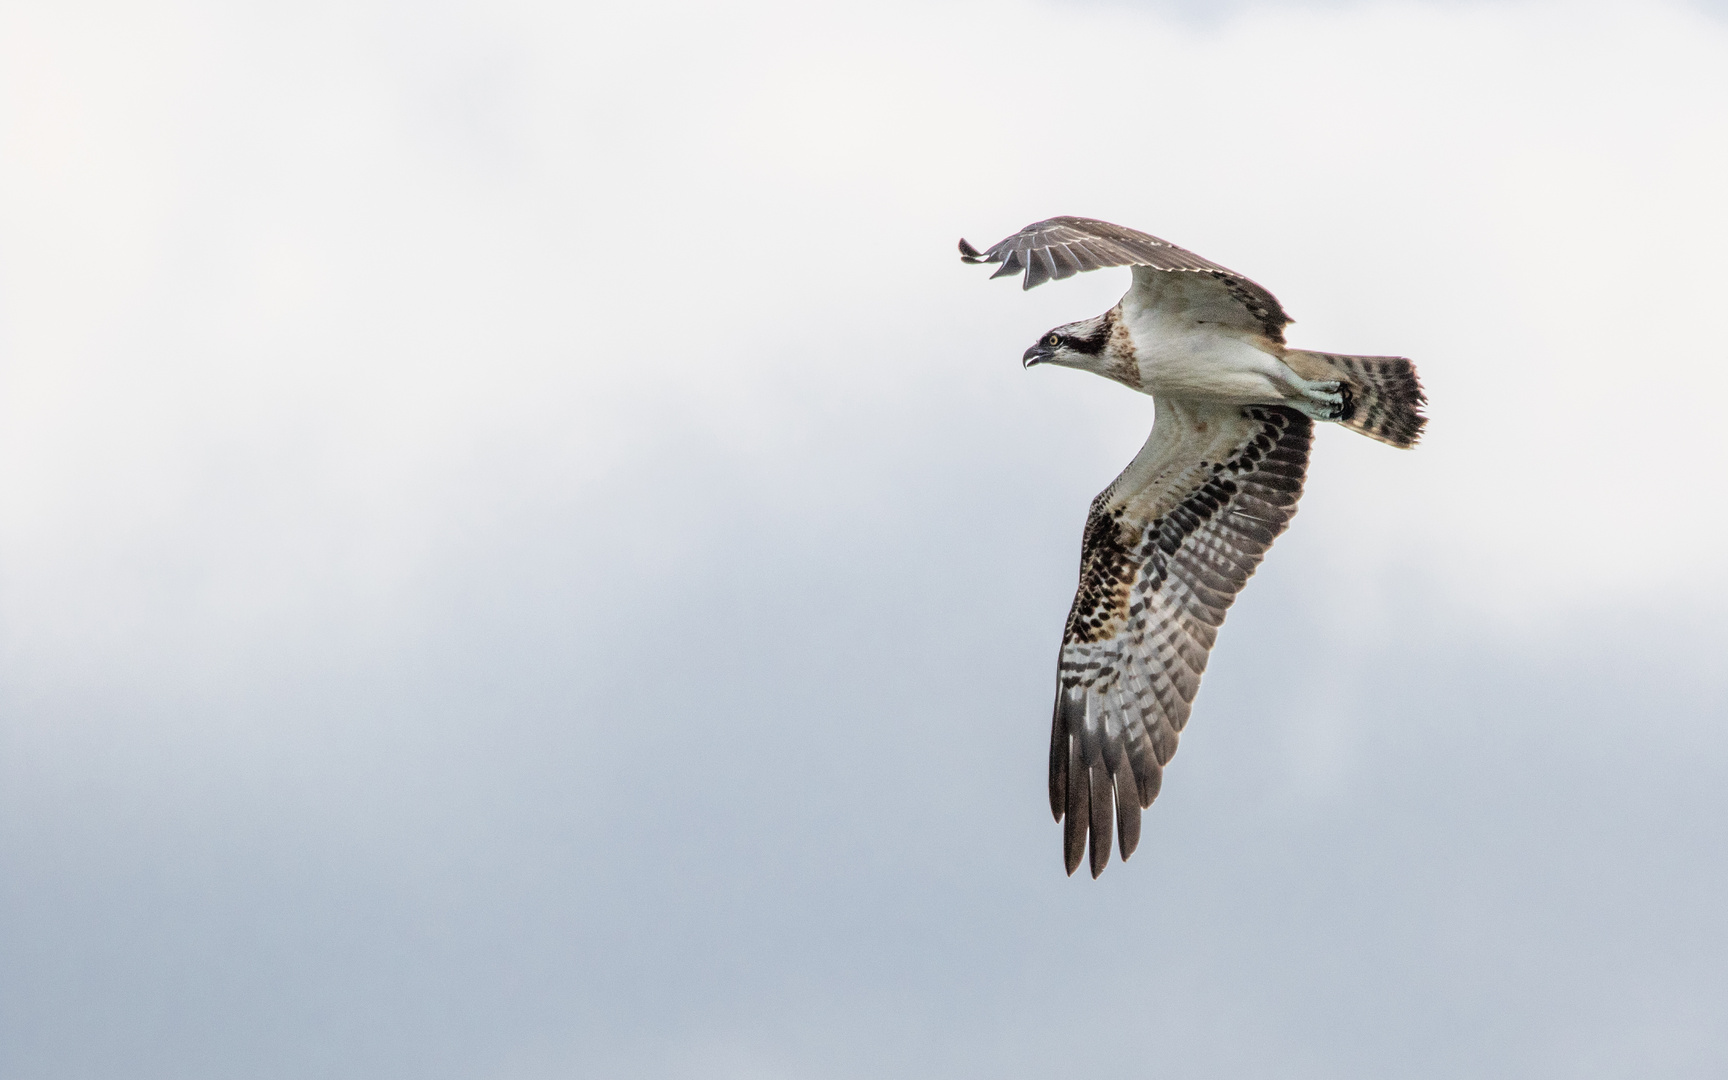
(1153, 592)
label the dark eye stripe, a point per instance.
(1090, 346)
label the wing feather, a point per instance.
(1061, 247)
(1102, 805)
(1167, 548)
(1127, 813)
(1077, 814)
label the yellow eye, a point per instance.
(1053, 340)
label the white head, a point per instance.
(1099, 345)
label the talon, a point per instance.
(1328, 400)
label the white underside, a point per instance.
(1208, 366)
(1192, 342)
(1203, 363)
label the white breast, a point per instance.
(1182, 357)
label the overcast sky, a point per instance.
(524, 554)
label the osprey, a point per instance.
(1172, 540)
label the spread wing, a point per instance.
(1168, 546)
(1063, 246)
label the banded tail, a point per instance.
(1384, 399)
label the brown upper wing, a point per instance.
(1168, 546)
(1063, 246)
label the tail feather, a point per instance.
(1383, 397)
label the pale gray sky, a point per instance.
(524, 554)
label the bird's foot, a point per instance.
(1323, 400)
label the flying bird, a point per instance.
(1173, 539)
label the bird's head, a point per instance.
(1084, 345)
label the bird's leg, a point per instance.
(1320, 399)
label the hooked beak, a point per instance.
(1037, 354)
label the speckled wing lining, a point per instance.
(1064, 246)
(1152, 596)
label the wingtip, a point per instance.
(1100, 854)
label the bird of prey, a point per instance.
(1172, 540)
